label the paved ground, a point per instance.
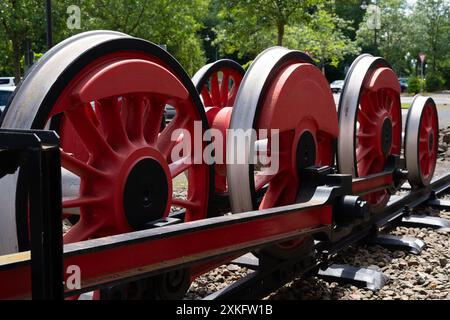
(439, 98)
(442, 100)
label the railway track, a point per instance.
(366, 253)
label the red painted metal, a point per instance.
(298, 100)
(221, 93)
(111, 115)
(101, 261)
(217, 97)
(380, 100)
(361, 186)
(428, 132)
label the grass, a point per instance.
(180, 182)
(405, 105)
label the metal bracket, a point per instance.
(424, 221)
(248, 261)
(409, 244)
(439, 204)
(37, 154)
(367, 278)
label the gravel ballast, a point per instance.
(411, 277)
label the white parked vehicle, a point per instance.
(5, 93)
(336, 86)
(7, 81)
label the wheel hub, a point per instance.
(145, 195)
(134, 191)
(306, 152)
(386, 136)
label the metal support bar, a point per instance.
(37, 155)
(368, 278)
(409, 244)
(49, 24)
(424, 221)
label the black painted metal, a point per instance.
(269, 276)
(409, 244)
(369, 278)
(36, 153)
(439, 204)
(49, 25)
(424, 221)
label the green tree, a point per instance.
(350, 10)
(172, 23)
(429, 32)
(324, 37)
(20, 21)
(249, 26)
(391, 41)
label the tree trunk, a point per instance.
(16, 59)
(280, 29)
(322, 62)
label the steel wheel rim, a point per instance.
(421, 141)
(243, 117)
(278, 70)
(352, 99)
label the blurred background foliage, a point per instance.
(332, 32)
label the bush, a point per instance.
(414, 85)
(434, 82)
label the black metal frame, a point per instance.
(36, 154)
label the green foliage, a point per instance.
(19, 22)
(323, 37)
(36, 57)
(250, 26)
(434, 82)
(429, 32)
(173, 23)
(350, 10)
(243, 28)
(247, 65)
(445, 70)
(390, 39)
(414, 85)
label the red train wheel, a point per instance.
(218, 84)
(370, 121)
(277, 93)
(421, 141)
(105, 94)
